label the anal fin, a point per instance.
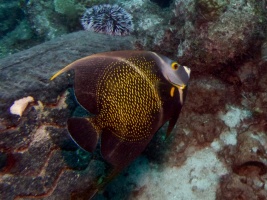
(83, 132)
(120, 153)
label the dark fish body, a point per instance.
(132, 94)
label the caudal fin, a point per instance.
(84, 133)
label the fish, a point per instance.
(131, 95)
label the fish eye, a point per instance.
(175, 65)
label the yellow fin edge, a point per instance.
(68, 67)
(55, 75)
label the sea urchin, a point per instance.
(108, 19)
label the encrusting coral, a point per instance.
(219, 31)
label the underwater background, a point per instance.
(218, 149)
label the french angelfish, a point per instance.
(131, 94)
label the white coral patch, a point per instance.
(234, 116)
(229, 137)
(216, 145)
(149, 21)
(226, 138)
(197, 178)
(19, 106)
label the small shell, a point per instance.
(20, 105)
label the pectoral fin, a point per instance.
(84, 133)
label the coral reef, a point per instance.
(65, 7)
(209, 33)
(10, 15)
(44, 20)
(192, 30)
(216, 33)
(15, 31)
(218, 149)
(150, 22)
(53, 18)
(20, 38)
(162, 4)
(210, 10)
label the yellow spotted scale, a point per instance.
(132, 94)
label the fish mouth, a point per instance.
(180, 90)
(180, 87)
